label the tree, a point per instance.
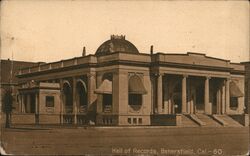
(7, 106)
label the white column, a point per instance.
(61, 101)
(152, 80)
(99, 108)
(184, 94)
(23, 103)
(91, 88)
(159, 93)
(20, 102)
(223, 110)
(218, 102)
(36, 104)
(206, 98)
(227, 96)
(36, 108)
(169, 104)
(189, 97)
(165, 96)
(74, 100)
(192, 94)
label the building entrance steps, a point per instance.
(204, 120)
(209, 121)
(228, 121)
(187, 122)
(197, 120)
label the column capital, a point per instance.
(185, 75)
(226, 80)
(89, 75)
(131, 73)
(208, 77)
(135, 73)
(157, 74)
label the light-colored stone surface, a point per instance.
(160, 73)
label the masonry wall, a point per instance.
(42, 101)
(247, 86)
(240, 81)
(23, 119)
(49, 115)
(127, 115)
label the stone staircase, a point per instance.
(228, 121)
(207, 121)
(203, 120)
(186, 121)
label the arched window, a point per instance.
(81, 95)
(67, 97)
(135, 99)
(235, 94)
(135, 90)
(105, 90)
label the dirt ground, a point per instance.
(125, 141)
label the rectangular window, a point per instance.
(140, 120)
(129, 120)
(233, 102)
(49, 101)
(107, 99)
(107, 102)
(134, 121)
(135, 99)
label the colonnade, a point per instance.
(90, 87)
(223, 99)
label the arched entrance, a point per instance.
(81, 96)
(67, 97)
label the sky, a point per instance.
(58, 29)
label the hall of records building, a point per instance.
(120, 86)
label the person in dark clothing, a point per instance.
(7, 103)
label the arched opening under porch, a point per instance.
(81, 96)
(67, 97)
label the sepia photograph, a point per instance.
(139, 78)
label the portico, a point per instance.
(188, 94)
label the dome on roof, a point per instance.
(116, 44)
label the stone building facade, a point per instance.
(120, 86)
(247, 85)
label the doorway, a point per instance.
(199, 99)
(177, 97)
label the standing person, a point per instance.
(7, 101)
